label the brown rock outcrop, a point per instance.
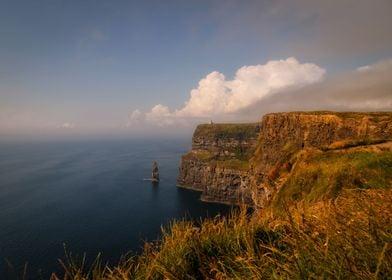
(218, 163)
(284, 133)
(237, 163)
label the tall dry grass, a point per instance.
(345, 238)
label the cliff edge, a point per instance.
(251, 163)
(218, 164)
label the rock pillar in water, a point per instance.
(155, 172)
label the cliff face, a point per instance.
(243, 163)
(218, 164)
(217, 183)
(225, 141)
(283, 135)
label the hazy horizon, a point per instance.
(145, 69)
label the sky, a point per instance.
(98, 69)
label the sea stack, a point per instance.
(155, 172)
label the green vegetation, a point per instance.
(318, 175)
(202, 155)
(205, 155)
(352, 143)
(225, 131)
(242, 154)
(232, 163)
(223, 136)
(373, 116)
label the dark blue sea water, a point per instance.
(89, 195)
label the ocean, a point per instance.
(90, 196)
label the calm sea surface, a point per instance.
(90, 196)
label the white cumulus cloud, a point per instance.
(367, 88)
(136, 115)
(217, 96)
(160, 115)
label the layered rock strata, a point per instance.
(240, 163)
(218, 164)
(285, 134)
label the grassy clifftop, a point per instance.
(226, 141)
(226, 130)
(317, 175)
(224, 145)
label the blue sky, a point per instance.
(82, 67)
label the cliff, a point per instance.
(285, 135)
(250, 163)
(218, 164)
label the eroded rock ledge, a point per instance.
(241, 163)
(218, 164)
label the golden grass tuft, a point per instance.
(347, 237)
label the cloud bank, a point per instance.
(217, 97)
(368, 88)
(278, 85)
